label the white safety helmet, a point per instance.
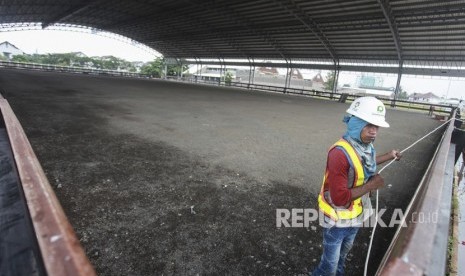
(369, 109)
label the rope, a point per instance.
(377, 194)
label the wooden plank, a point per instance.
(60, 248)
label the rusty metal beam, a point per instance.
(417, 248)
(59, 246)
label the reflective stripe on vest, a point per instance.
(355, 208)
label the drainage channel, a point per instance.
(19, 250)
(421, 247)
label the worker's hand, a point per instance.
(396, 154)
(376, 182)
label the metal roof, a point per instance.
(395, 31)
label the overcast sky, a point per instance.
(441, 87)
(54, 41)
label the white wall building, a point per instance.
(9, 50)
(213, 73)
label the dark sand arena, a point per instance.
(165, 178)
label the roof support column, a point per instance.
(181, 70)
(221, 71)
(201, 68)
(390, 19)
(224, 71)
(175, 69)
(288, 76)
(285, 81)
(196, 70)
(397, 90)
(336, 79)
(165, 70)
(251, 72)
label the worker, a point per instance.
(350, 177)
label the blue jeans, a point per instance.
(337, 242)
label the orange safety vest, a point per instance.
(355, 208)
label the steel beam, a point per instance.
(292, 8)
(69, 13)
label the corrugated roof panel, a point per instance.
(298, 29)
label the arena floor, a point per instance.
(166, 178)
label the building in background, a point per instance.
(370, 82)
(366, 85)
(318, 82)
(214, 73)
(425, 97)
(268, 71)
(9, 50)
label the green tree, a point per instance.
(154, 68)
(175, 70)
(228, 78)
(59, 59)
(402, 95)
(21, 58)
(329, 83)
(83, 62)
(36, 58)
(72, 59)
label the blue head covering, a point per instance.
(354, 127)
(366, 152)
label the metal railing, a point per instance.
(59, 247)
(431, 108)
(421, 248)
(69, 69)
(342, 97)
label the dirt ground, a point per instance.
(162, 178)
